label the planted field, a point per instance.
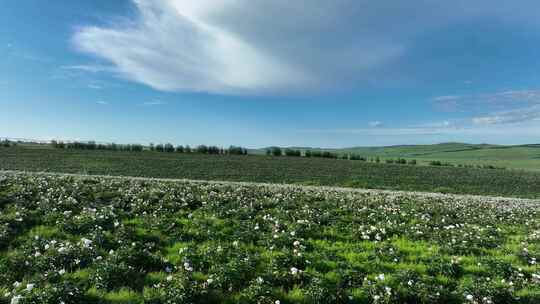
(255, 168)
(111, 240)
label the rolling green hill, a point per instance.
(515, 157)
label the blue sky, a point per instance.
(259, 73)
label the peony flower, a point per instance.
(16, 299)
(30, 286)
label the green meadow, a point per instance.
(86, 239)
(269, 169)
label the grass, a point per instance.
(523, 157)
(107, 240)
(256, 168)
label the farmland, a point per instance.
(67, 239)
(526, 157)
(255, 168)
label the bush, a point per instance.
(440, 164)
(357, 157)
(293, 153)
(233, 150)
(169, 148)
(327, 154)
(201, 149)
(276, 151)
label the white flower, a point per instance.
(209, 281)
(86, 242)
(469, 297)
(17, 284)
(61, 271)
(380, 277)
(16, 299)
(260, 280)
(294, 270)
(30, 286)
(277, 302)
(296, 243)
(169, 278)
(376, 297)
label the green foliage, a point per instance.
(293, 153)
(114, 240)
(299, 170)
(275, 151)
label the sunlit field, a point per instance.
(66, 239)
(269, 169)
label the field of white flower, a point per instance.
(67, 239)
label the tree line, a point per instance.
(7, 143)
(201, 149)
(277, 151)
(167, 148)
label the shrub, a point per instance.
(401, 161)
(233, 150)
(168, 148)
(440, 164)
(293, 153)
(201, 149)
(276, 151)
(316, 154)
(327, 154)
(214, 150)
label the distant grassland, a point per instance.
(255, 168)
(525, 157)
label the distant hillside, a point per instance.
(517, 156)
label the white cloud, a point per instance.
(509, 117)
(154, 103)
(102, 102)
(92, 68)
(489, 102)
(246, 46)
(375, 124)
(95, 86)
